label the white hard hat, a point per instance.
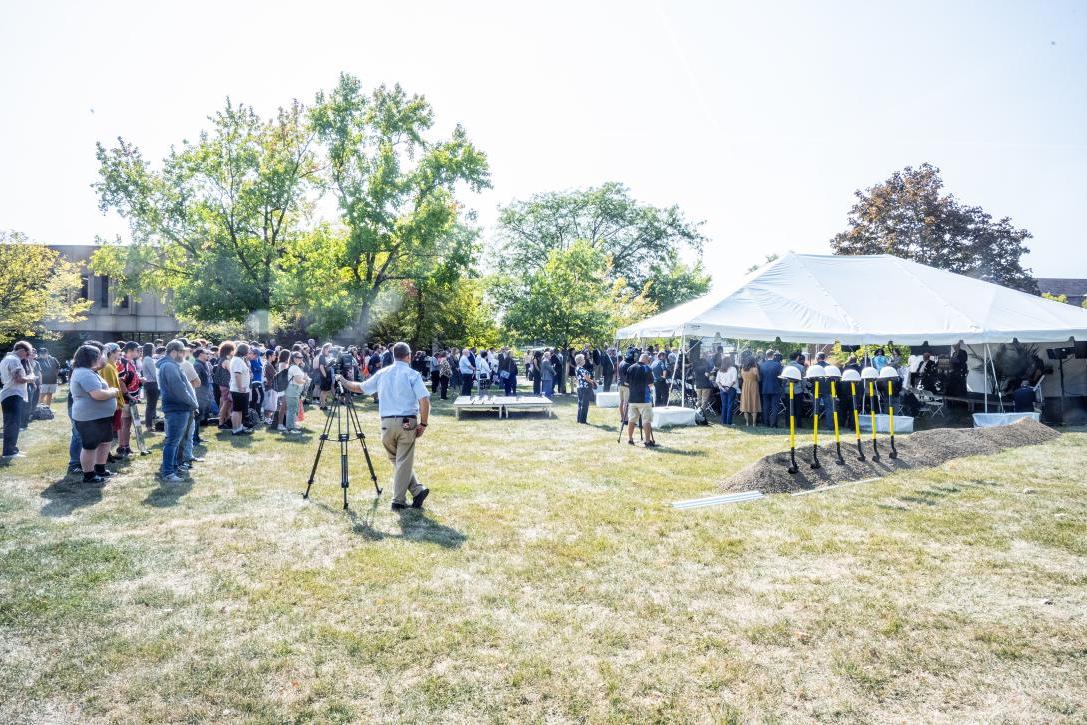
(790, 373)
(832, 371)
(851, 376)
(815, 371)
(888, 373)
(869, 373)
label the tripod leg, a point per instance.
(317, 458)
(353, 416)
(342, 437)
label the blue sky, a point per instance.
(759, 118)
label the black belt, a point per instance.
(413, 415)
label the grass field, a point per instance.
(548, 580)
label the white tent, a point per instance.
(865, 299)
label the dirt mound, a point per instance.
(916, 450)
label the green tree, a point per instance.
(642, 243)
(212, 223)
(395, 188)
(908, 216)
(1063, 299)
(37, 288)
(678, 284)
(570, 299)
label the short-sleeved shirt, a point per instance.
(294, 372)
(188, 371)
(49, 367)
(11, 366)
(639, 377)
(582, 375)
(239, 368)
(84, 407)
(399, 390)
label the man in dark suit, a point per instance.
(770, 388)
(607, 364)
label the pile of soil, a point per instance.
(916, 450)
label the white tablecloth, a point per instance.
(607, 400)
(988, 420)
(903, 423)
(672, 415)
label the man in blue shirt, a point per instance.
(1024, 398)
(770, 388)
(404, 407)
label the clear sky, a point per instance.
(759, 118)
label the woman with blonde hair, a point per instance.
(750, 399)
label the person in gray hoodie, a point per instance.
(179, 404)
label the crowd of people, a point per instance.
(185, 385)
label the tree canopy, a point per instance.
(908, 216)
(226, 224)
(395, 188)
(212, 225)
(37, 287)
(570, 299)
(641, 242)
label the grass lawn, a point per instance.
(548, 580)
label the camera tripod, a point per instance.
(347, 424)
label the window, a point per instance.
(84, 290)
(103, 290)
(124, 302)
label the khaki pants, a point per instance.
(400, 447)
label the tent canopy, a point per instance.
(814, 298)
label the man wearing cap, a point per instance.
(404, 407)
(178, 405)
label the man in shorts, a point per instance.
(240, 376)
(639, 378)
(50, 368)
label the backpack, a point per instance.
(220, 376)
(251, 419)
(279, 382)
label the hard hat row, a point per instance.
(820, 372)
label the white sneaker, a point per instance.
(281, 427)
(295, 431)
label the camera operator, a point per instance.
(639, 378)
(404, 407)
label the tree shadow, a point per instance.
(65, 495)
(168, 494)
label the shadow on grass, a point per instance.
(168, 494)
(415, 525)
(68, 494)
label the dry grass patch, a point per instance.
(549, 580)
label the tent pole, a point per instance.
(682, 369)
(985, 368)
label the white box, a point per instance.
(607, 400)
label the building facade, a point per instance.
(113, 316)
